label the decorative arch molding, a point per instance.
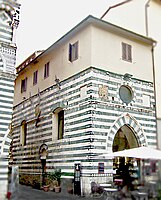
(23, 122)
(126, 119)
(58, 107)
(57, 110)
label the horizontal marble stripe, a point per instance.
(7, 90)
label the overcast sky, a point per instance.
(43, 22)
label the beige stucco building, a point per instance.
(143, 17)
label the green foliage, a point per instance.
(30, 180)
(55, 175)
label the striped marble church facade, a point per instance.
(9, 19)
(91, 99)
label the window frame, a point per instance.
(23, 85)
(58, 124)
(146, 100)
(126, 52)
(126, 94)
(73, 51)
(35, 77)
(101, 168)
(46, 70)
(23, 132)
(83, 92)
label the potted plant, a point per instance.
(52, 181)
(47, 183)
(57, 177)
(46, 188)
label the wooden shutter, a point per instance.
(70, 52)
(126, 52)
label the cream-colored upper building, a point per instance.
(99, 45)
(142, 17)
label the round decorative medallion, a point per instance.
(126, 94)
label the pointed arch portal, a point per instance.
(124, 139)
(126, 127)
(126, 133)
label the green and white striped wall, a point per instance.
(91, 123)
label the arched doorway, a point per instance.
(43, 152)
(127, 169)
(124, 139)
(130, 122)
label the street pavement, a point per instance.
(29, 193)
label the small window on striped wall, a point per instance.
(83, 91)
(146, 100)
(23, 133)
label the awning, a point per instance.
(139, 152)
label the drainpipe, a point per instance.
(114, 6)
(146, 18)
(127, 1)
(158, 143)
(153, 65)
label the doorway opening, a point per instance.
(127, 169)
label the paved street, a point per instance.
(28, 193)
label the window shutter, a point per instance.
(24, 85)
(123, 51)
(126, 52)
(46, 70)
(75, 51)
(129, 58)
(70, 52)
(35, 77)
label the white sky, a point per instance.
(43, 22)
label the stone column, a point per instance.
(3, 177)
(4, 155)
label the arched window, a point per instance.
(58, 124)
(23, 133)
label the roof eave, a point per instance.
(99, 23)
(102, 24)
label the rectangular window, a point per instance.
(61, 124)
(146, 100)
(101, 168)
(83, 92)
(46, 70)
(58, 124)
(153, 166)
(23, 133)
(35, 75)
(73, 51)
(126, 52)
(23, 85)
